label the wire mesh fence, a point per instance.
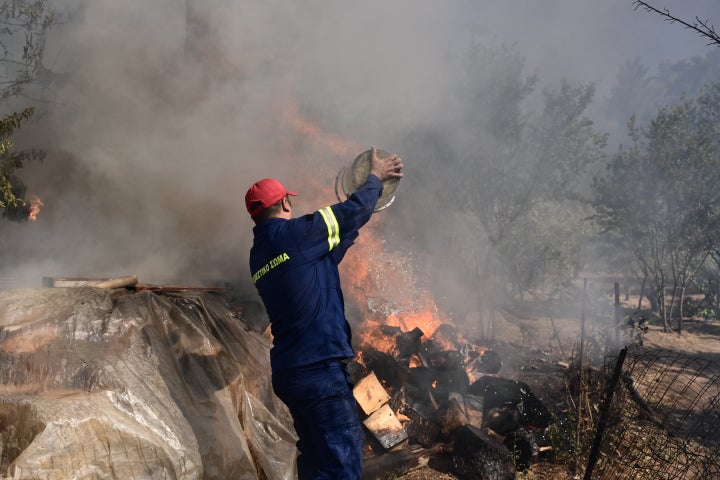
(663, 421)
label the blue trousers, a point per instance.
(326, 420)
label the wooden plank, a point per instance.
(453, 417)
(144, 287)
(119, 282)
(386, 427)
(61, 282)
(130, 281)
(370, 394)
(474, 407)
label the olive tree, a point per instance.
(511, 185)
(660, 196)
(24, 25)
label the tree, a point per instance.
(638, 92)
(516, 175)
(512, 184)
(702, 27)
(24, 25)
(660, 195)
(12, 200)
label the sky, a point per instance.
(155, 130)
(586, 40)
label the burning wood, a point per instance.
(408, 344)
(386, 427)
(489, 425)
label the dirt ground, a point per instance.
(537, 342)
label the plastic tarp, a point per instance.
(273, 442)
(112, 384)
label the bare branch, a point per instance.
(700, 26)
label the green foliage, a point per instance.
(524, 182)
(24, 25)
(660, 196)
(507, 187)
(12, 189)
(640, 93)
(544, 245)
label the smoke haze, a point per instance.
(163, 113)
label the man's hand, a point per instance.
(385, 168)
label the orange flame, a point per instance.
(380, 283)
(35, 205)
(334, 143)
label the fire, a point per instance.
(311, 130)
(379, 282)
(35, 204)
(382, 285)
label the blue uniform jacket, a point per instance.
(294, 264)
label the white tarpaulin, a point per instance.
(112, 384)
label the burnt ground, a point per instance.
(537, 343)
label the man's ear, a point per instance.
(286, 204)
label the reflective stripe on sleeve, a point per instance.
(332, 226)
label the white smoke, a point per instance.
(157, 126)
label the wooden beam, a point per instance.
(386, 427)
(370, 394)
(119, 282)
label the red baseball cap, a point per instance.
(264, 194)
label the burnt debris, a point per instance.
(444, 397)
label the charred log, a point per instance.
(420, 400)
(451, 379)
(422, 378)
(434, 354)
(392, 465)
(488, 362)
(421, 429)
(523, 446)
(387, 369)
(502, 420)
(357, 371)
(390, 330)
(408, 343)
(446, 335)
(501, 394)
(478, 456)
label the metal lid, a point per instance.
(351, 178)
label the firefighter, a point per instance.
(294, 264)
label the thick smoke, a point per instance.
(162, 113)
